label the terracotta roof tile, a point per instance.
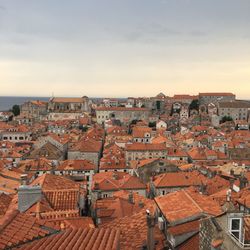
(87, 145)
(183, 204)
(179, 179)
(82, 239)
(145, 147)
(116, 181)
(123, 203)
(184, 228)
(190, 244)
(139, 132)
(120, 109)
(19, 228)
(80, 165)
(133, 231)
(4, 203)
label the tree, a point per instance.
(152, 124)
(16, 110)
(194, 105)
(226, 119)
(83, 128)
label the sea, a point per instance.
(7, 102)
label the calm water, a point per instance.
(6, 102)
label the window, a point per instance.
(235, 227)
(105, 196)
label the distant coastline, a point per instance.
(7, 102)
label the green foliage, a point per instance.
(152, 124)
(16, 110)
(134, 122)
(83, 128)
(226, 119)
(158, 105)
(194, 105)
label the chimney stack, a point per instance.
(229, 194)
(24, 179)
(141, 204)
(150, 234)
(28, 196)
(232, 172)
(131, 198)
(115, 176)
(243, 181)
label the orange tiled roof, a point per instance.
(87, 145)
(191, 97)
(145, 147)
(61, 193)
(8, 185)
(116, 130)
(133, 231)
(120, 109)
(50, 182)
(216, 184)
(183, 204)
(184, 228)
(139, 132)
(67, 100)
(179, 179)
(72, 222)
(216, 94)
(80, 165)
(82, 239)
(4, 203)
(190, 244)
(119, 206)
(41, 164)
(116, 181)
(19, 228)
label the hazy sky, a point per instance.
(124, 47)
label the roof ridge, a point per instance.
(109, 180)
(193, 200)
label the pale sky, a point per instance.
(124, 47)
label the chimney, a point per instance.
(24, 179)
(27, 196)
(96, 185)
(243, 181)
(115, 176)
(232, 172)
(130, 198)
(150, 234)
(229, 194)
(141, 204)
(231, 183)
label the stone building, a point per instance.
(106, 183)
(68, 108)
(146, 169)
(16, 134)
(87, 149)
(238, 110)
(140, 151)
(206, 98)
(34, 109)
(125, 115)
